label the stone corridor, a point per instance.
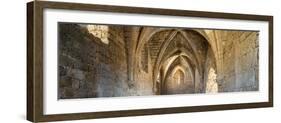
(115, 60)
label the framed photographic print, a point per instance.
(95, 61)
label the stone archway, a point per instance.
(166, 43)
(179, 77)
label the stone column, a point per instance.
(131, 34)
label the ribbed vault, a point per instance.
(159, 48)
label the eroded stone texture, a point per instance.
(240, 61)
(88, 66)
(113, 61)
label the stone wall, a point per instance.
(89, 67)
(240, 61)
(248, 64)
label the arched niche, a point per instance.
(179, 78)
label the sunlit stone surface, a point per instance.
(99, 31)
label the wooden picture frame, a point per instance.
(35, 46)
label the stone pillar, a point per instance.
(131, 41)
